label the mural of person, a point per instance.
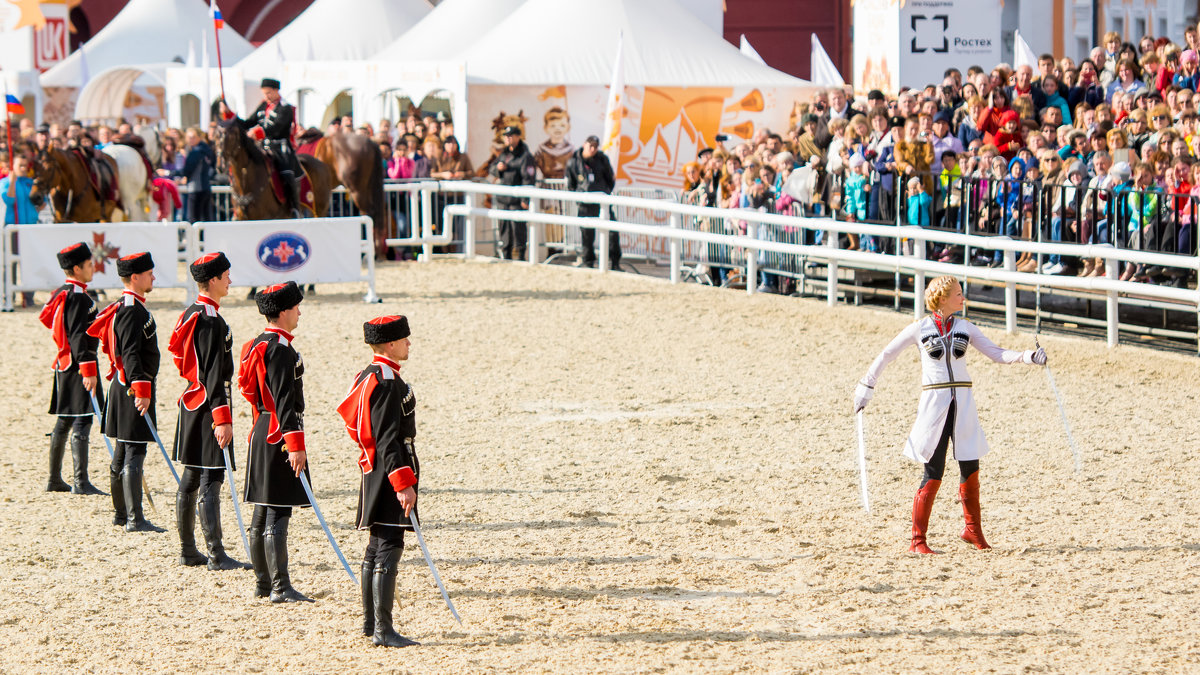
(553, 153)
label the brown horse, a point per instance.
(246, 164)
(63, 178)
(358, 164)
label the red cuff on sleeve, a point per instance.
(221, 416)
(402, 479)
(258, 133)
(293, 441)
(140, 388)
(87, 369)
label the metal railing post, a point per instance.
(674, 245)
(469, 231)
(602, 240)
(1112, 269)
(831, 270)
(1010, 293)
(751, 269)
(918, 279)
(426, 223)
(531, 234)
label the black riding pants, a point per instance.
(384, 539)
(194, 478)
(936, 466)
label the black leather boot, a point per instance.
(117, 488)
(58, 446)
(79, 454)
(258, 560)
(132, 480)
(210, 525)
(275, 543)
(185, 523)
(367, 582)
(291, 190)
(383, 593)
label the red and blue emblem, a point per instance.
(283, 251)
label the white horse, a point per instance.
(131, 182)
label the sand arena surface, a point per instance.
(624, 476)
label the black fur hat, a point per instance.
(269, 82)
(209, 266)
(135, 263)
(75, 254)
(278, 298)
(385, 329)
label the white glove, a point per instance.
(862, 396)
(1035, 357)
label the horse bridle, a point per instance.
(48, 172)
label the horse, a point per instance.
(64, 180)
(250, 178)
(131, 181)
(358, 164)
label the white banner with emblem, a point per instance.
(34, 250)
(307, 251)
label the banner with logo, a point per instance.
(309, 251)
(912, 43)
(37, 247)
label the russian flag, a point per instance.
(216, 15)
(14, 105)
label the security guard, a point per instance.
(588, 170)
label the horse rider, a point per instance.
(271, 123)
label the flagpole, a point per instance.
(8, 132)
(220, 68)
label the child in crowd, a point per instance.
(919, 207)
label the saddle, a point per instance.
(138, 143)
(101, 175)
(307, 200)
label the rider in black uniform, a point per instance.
(271, 122)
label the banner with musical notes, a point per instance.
(662, 130)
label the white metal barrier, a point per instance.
(309, 251)
(1112, 290)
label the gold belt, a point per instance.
(945, 385)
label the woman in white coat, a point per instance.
(946, 413)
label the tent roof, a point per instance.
(146, 32)
(443, 33)
(335, 30)
(103, 97)
(574, 42)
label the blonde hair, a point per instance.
(937, 290)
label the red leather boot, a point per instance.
(968, 492)
(922, 507)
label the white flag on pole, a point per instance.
(190, 61)
(610, 144)
(823, 72)
(206, 104)
(84, 76)
(750, 51)
(1022, 54)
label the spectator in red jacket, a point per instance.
(989, 122)
(1008, 139)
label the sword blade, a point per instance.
(161, 447)
(329, 535)
(1062, 412)
(96, 409)
(237, 510)
(862, 463)
(412, 518)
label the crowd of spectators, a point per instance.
(1101, 151)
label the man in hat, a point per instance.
(514, 166)
(202, 346)
(270, 378)
(380, 415)
(128, 336)
(68, 314)
(271, 123)
(588, 170)
(942, 139)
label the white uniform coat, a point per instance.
(944, 378)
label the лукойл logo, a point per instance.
(283, 251)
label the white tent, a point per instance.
(334, 30)
(573, 42)
(448, 28)
(147, 32)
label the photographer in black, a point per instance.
(588, 170)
